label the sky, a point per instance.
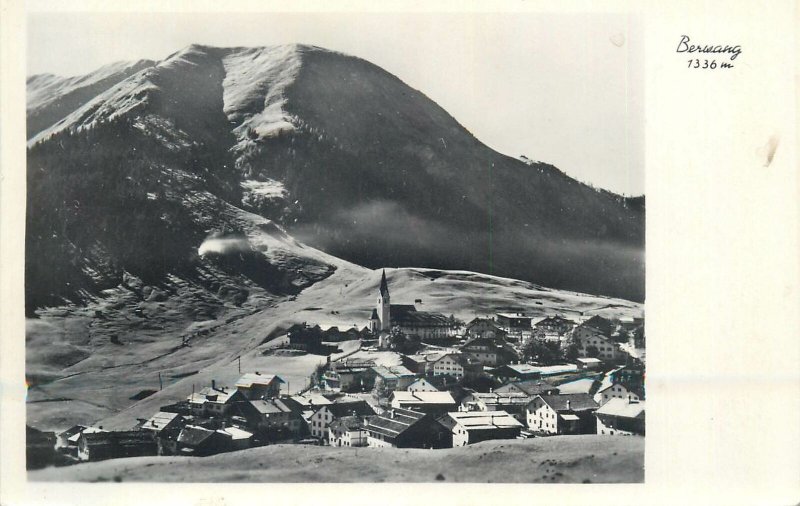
(565, 89)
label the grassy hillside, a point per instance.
(560, 459)
(71, 356)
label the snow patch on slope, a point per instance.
(253, 97)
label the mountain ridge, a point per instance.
(365, 168)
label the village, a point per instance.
(414, 379)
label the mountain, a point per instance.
(156, 171)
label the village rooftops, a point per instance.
(88, 430)
(570, 402)
(534, 386)
(250, 379)
(507, 398)
(307, 401)
(621, 408)
(118, 438)
(159, 421)
(236, 433)
(407, 398)
(272, 406)
(220, 395)
(484, 420)
(393, 372)
(555, 320)
(194, 435)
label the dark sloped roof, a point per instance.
(349, 423)
(602, 324)
(534, 387)
(407, 314)
(393, 426)
(577, 402)
(119, 438)
(342, 409)
(192, 435)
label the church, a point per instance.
(426, 325)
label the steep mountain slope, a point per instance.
(51, 98)
(340, 153)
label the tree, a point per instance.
(542, 352)
(572, 352)
(622, 336)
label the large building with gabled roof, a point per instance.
(410, 321)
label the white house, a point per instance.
(621, 417)
(422, 385)
(562, 414)
(348, 431)
(617, 390)
(470, 427)
(459, 365)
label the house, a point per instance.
(349, 375)
(93, 446)
(240, 439)
(421, 363)
(621, 417)
(528, 387)
(618, 390)
(588, 363)
(485, 327)
(324, 416)
(606, 349)
(214, 401)
(40, 448)
(554, 325)
(348, 431)
(603, 325)
(460, 365)
(201, 441)
(162, 421)
(469, 427)
(388, 379)
(426, 402)
(513, 403)
(304, 406)
(271, 415)
(490, 352)
(63, 438)
(426, 325)
(516, 325)
(562, 414)
(255, 385)
(422, 385)
(406, 428)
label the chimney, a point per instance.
(568, 405)
(213, 384)
(391, 413)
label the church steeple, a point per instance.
(384, 306)
(384, 285)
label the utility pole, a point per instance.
(240, 363)
(160, 384)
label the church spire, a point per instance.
(384, 285)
